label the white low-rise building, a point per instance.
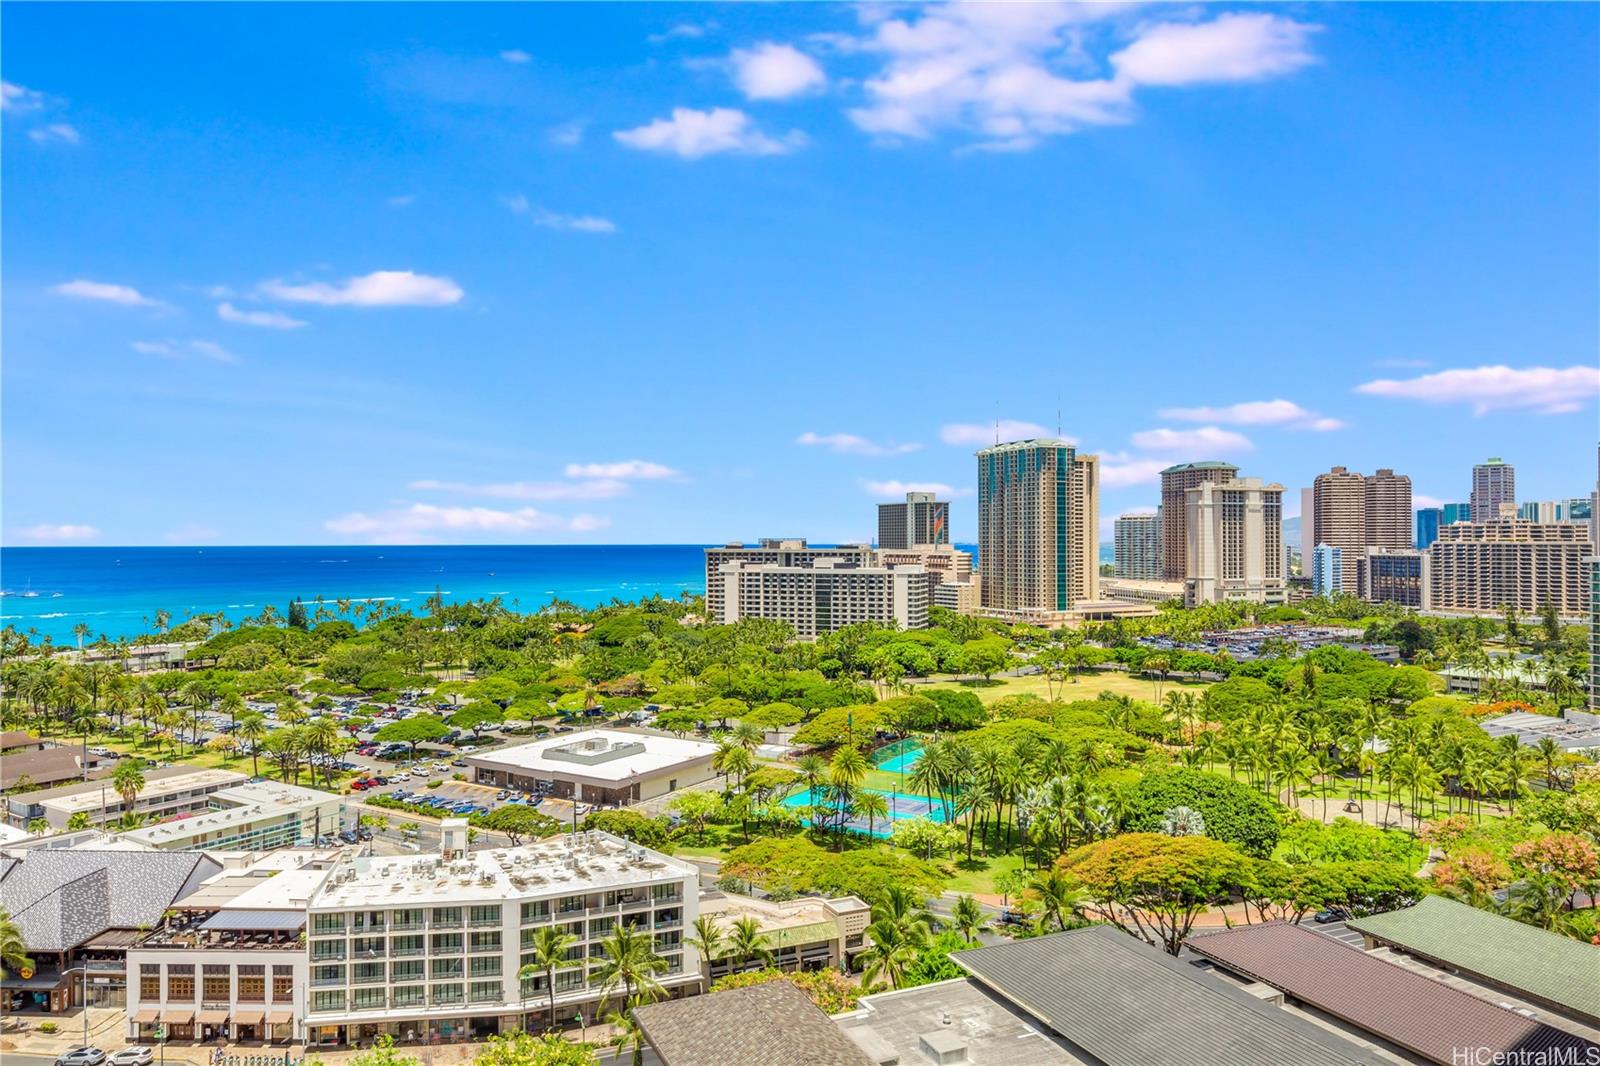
(605, 766)
(254, 816)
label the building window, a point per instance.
(366, 973)
(407, 971)
(444, 968)
(487, 966)
(150, 981)
(367, 922)
(447, 916)
(327, 975)
(485, 991)
(327, 924)
(180, 983)
(485, 915)
(406, 919)
(217, 986)
(322, 1002)
(282, 984)
(570, 904)
(446, 943)
(252, 984)
(536, 911)
(367, 999)
(368, 947)
(443, 994)
(327, 949)
(488, 941)
(401, 946)
(410, 996)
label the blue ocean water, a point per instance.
(115, 590)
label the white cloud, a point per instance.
(381, 288)
(568, 134)
(1119, 470)
(1231, 47)
(1004, 72)
(401, 201)
(265, 319)
(596, 489)
(63, 531)
(1548, 390)
(516, 55)
(1257, 413)
(539, 216)
(984, 434)
(683, 31)
(419, 522)
(55, 133)
(179, 349)
(771, 71)
(627, 469)
(19, 99)
(893, 489)
(850, 444)
(691, 134)
(1420, 500)
(1200, 441)
(126, 295)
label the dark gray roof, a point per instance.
(1119, 1000)
(59, 899)
(771, 1024)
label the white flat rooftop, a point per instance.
(91, 796)
(565, 865)
(596, 754)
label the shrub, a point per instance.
(631, 825)
(797, 865)
(1234, 813)
(48, 1027)
(830, 990)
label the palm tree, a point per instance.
(252, 728)
(747, 735)
(627, 1036)
(848, 766)
(1058, 898)
(872, 807)
(128, 779)
(13, 952)
(749, 942)
(812, 768)
(967, 917)
(894, 947)
(630, 961)
(546, 955)
(706, 939)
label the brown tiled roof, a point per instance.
(771, 1024)
(1430, 1018)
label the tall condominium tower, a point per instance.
(920, 521)
(1354, 512)
(1235, 542)
(1038, 520)
(1175, 481)
(1494, 482)
(1429, 519)
(1486, 567)
(1138, 547)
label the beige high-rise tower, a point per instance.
(1175, 481)
(1038, 529)
(1354, 512)
(1235, 542)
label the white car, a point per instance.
(399, 775)
(131, 1056)
(442, 767)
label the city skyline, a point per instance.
(549, 274)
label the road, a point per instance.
(607, 1056)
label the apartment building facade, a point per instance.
(1486, 567)
(826, 595)
(1176, 481)
(1393, 575)
(167, 793)
(1494, 485)
(1038, 519)
(1234, 549)
(921, 520)
(771, 551)
(1353, 512)
(1137, 547)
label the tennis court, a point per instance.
(902, 806)
(898, 757)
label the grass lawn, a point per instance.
(1089, 685)
(978, 876)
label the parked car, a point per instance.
(81, 1056)
(1332, 914)
(131, 1056)
(363, 833)
(348, 836)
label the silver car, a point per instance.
(131, 1056)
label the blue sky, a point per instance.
(661, 273)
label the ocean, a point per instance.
(115, 590)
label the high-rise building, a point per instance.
(1354, 512)
(1234, 548)
(1494, 482)
(920, 520)
(1575, 509)
(1486, 567)
(1327, 570)
(1175, 482)
(955, 584)
(1138, 547)
(1429, 519)
(1457, 512)
(825, 595)
(1393, 575)
(1038, 519)
(772, 551)
(1594, 633)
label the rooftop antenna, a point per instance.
(1058, 412)
(997, 423)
